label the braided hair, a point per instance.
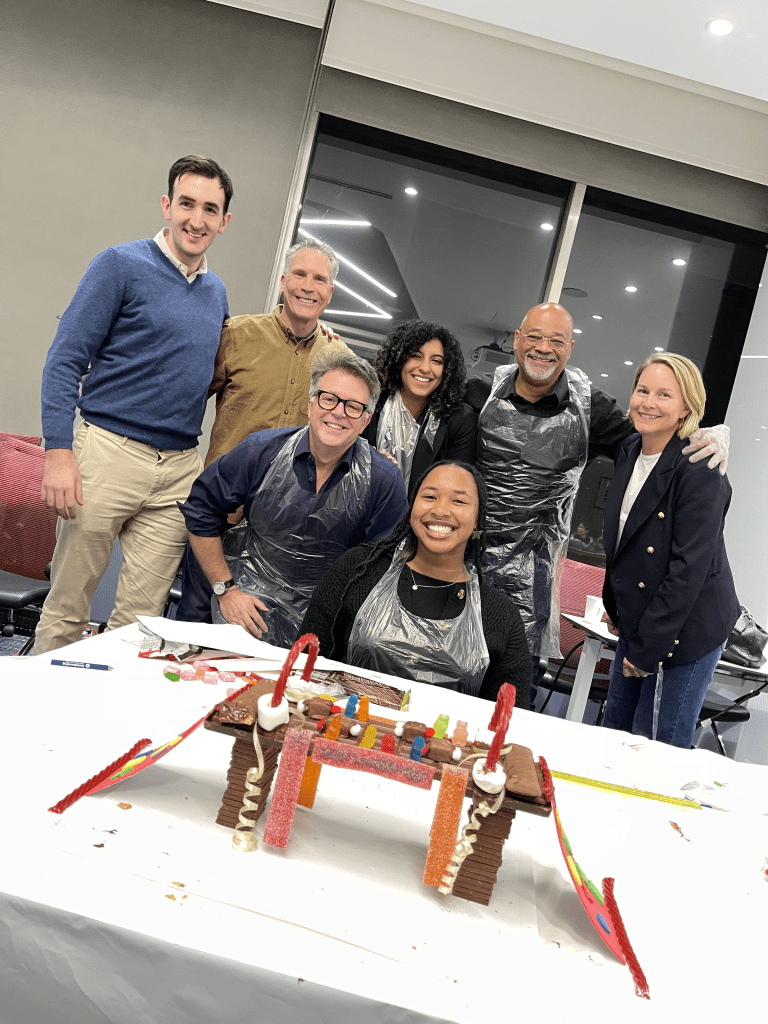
(406, 339)
(403, 532)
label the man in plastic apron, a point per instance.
(532, 466)
(308, 494)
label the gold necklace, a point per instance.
(431, 586)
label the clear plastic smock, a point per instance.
(388, 638)
(282, 550)
(398, 433)
(532, 466)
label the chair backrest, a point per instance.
(27, 526)
(577, 581)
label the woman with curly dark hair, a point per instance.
(414, 605)
(421, 417)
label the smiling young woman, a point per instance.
(421, 417)
(414, 605)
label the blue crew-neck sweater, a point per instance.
(150, 339)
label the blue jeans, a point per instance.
(683, 689)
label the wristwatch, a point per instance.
(222, 586)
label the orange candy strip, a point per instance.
(311, 776)
(445, 824)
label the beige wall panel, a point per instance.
(98, 100)
(525, 144)
(500, 74)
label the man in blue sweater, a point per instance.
(142, 330)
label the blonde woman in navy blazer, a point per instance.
(668, 589)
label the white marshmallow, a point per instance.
(271, 718)
(399, 729)
(489, 782)
(355, 730)
(456, 755)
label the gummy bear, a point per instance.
(441, 724)
(460, 734)
(351, 707)
(417, 748)
(369, 737)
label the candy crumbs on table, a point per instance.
(287, 785)
(369, 737)
(374, 762)
(445, 824)
(363, 710)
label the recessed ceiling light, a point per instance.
(596, 316)
(679, 262)
(547, 227)
(577, 330)
(603, 374)
(411, 191)
(627, 362)
(658, 349)
(720, 27)
(630, 288)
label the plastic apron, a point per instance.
(388, 638)
(532, 466)
(398, 433)
(282, 550)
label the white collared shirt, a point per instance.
(162, 242)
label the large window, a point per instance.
(423, 231)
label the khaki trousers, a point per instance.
(129, 491)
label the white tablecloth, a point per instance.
(339, 927)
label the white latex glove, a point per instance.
(714, 441)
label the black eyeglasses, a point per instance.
(327, 400)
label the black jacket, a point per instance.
(456, 438)
(668, 585)
(331, 613)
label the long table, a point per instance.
(339, 927)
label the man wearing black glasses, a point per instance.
(539, 424)
(309, 494)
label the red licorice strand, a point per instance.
(641, 982)
(105, 773)
(501, 697)
(549, 786)
(307, 640)
(502, 713)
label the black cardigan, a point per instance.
(503, 628)
(456, 438)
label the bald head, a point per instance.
(543, 346)
(554, 313)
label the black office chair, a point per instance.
(561, 681)
(715, 709)
(21, 602)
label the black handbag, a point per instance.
(746, 643)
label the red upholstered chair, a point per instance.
(27, 535)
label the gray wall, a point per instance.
(99, 98)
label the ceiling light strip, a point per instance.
(353, 266)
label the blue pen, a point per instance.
(81, 664)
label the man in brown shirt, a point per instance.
(263, 366)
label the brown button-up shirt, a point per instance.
(261, 378)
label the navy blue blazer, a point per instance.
(668, 585)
